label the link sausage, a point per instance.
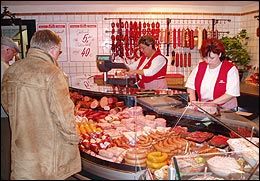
(185, 59)
(177, 59)
(181, 60)
(174, 38)
(179, 37)
(189, 59)
(191, 39)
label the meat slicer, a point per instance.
(105, 64)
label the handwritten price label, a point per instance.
(85, 52)
(83, 42)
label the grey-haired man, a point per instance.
(9, 50)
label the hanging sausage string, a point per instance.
(125, 35)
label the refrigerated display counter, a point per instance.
(175, 110)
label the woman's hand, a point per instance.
(134, 72)
(131, 72)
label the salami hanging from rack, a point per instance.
(157, 30)
(149, 32)
(170, 35)
(179, 37)
(113, 38)
(181, 59)
(126, 39)
(174, 38)
(113, 46)
(210, 34)
(173, 57)
(187, 38)
(183, 32)
(189, 59)
(191, 39)
(196, 32)
(185, 59)
(126, 25)
(204, 34)
(166, 40)
(153, 29)
(177, 59)
(216, 33)
(199, 38)
(161, 36)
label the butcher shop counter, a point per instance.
(174, 110)
(179, 110)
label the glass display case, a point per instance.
(231, 165)
(156, 132)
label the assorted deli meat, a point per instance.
(113, 132)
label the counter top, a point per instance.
(250, 89)
(245, 88)
(228, 118)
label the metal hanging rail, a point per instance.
(200, 19)
(137, 18)
(168, 21)
(216, 20)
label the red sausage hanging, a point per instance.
(196, 34)
(185, 60)
(174, 38)
(191, 39)
(179, 37)
(216, 34)
(173, 57)
(166, 40)
(181, 60)
(204, 34)
(177, 57)
(189, 59)
(170, 40)
(161, 36)
(183, 37)
(187, 38)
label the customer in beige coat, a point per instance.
(35, 94)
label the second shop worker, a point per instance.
(151, 67)
(214, 79)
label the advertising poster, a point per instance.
(61, 30)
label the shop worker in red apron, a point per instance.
(151, 67)
(35, 95)
(214, 79)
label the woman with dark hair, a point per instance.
(151, 67)
(214, 79)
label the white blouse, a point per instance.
(209, 80)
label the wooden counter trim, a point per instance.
(245, 88)
(249, 89)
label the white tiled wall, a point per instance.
(246, 21)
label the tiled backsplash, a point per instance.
(103, 21)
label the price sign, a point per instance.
(83, 42)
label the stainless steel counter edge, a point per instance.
(109, 172)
